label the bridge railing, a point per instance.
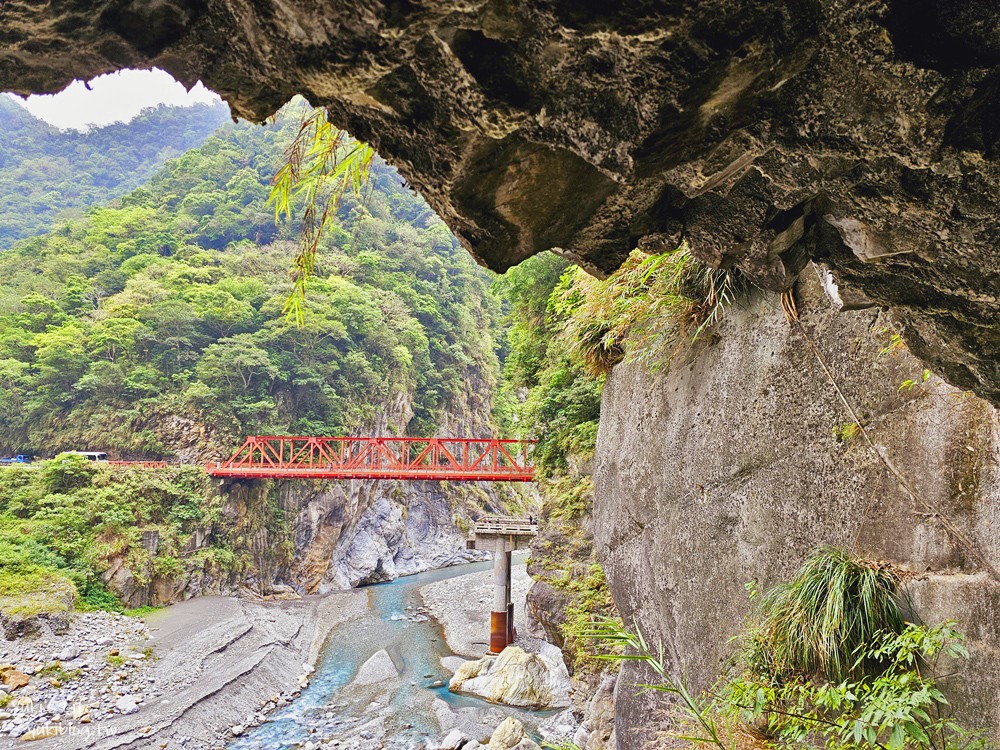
(505, 525)
(470, 459)
(137, 464)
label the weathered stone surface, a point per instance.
(726, 469)
(14, 679)
(517, 678)
(379, 668)
(763, 133)
(597, 732)
(510, 735)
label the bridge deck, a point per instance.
(440, 459)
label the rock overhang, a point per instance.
(861, 134)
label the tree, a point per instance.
(237, 362)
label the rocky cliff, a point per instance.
(356, 532)
(352, 533)
(736, 461)
(763, 133)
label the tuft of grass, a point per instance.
(645, 310)
(816, 623)
(57, 671)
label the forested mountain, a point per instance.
(169, 303)
(46, 173)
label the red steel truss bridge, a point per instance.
(442, 459)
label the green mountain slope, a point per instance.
(46, 173)
(167, 305)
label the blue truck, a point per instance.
(20, 458)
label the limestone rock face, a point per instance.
(517, 678)
(764, 133)
(726, 468)
(597, 732)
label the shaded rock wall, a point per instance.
(726, 469)
(764, 133)
(351, 533)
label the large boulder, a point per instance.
(517, 678)
(379, 668)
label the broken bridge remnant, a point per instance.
(502, 535)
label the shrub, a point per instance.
(828, 662)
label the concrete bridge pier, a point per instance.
(502, 535)
(502, 616)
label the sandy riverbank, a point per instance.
(218, 659)
(462, 606)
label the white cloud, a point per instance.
(116, 97)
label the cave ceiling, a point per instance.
(865, 135)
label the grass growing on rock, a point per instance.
(821, 619)
(30, 592)
(827, 660)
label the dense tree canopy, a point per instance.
(168, 302)
(47, 173)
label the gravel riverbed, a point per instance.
(177, 681)
(186, 677)
(101, 667)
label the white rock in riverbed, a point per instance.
(454, 740)
(127, 704)
(517, 678)
(57, 705)
(378, 668)
(510, 735)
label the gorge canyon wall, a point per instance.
(725, 468)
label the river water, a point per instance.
(331, 706)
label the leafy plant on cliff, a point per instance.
(827, 661)
(644, 311)
(835, 606)
(590, 599)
